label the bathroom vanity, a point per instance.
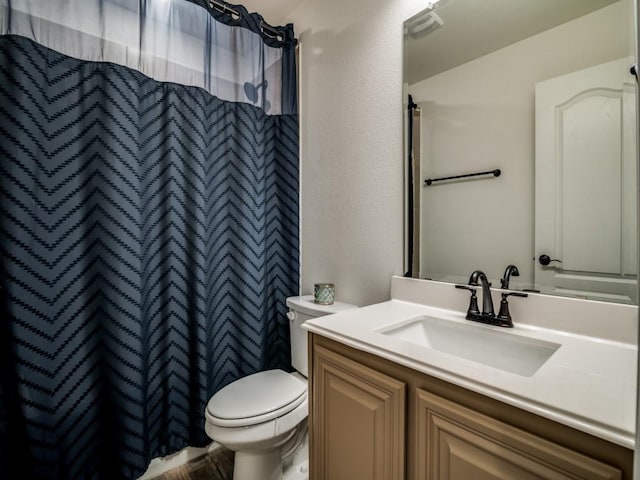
(410, 389)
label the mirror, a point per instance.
(520, 140)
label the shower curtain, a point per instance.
(148, 224)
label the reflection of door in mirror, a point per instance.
(586, 214)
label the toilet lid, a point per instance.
(256, 395)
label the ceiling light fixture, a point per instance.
(423, 23)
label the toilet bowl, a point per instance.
(262, 417)
(256, 416)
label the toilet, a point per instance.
(263, 416)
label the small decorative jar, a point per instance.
(324, 293)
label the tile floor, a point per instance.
(217, 465)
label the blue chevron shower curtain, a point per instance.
(148, 225)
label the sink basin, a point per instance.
(506, 351)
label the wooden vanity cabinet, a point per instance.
(358, 421)
(374, 419)
(454, 442)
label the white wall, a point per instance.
(352, 148)
(351, 144)
(480, 116)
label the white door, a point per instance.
(585, 184)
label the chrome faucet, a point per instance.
(503, 319)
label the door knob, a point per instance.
(546, 260)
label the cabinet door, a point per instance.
(455, 443)
(358, 421)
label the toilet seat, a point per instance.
(256, 399)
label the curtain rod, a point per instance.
(266, 28)
(221, 7)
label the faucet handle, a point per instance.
(473, 309)
(504, 317)
(466, 287)
(514, 294)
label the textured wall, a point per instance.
(351, 144)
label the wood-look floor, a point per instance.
(217, 465)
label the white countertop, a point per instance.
(589, 383)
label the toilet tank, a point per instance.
(302, 309)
